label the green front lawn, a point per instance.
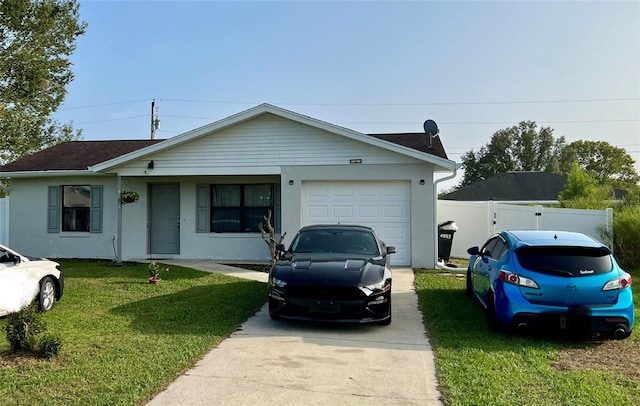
(477, 366)
(124, 339)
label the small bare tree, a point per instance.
(269, 236)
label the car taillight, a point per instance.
(515, 279)
(618, 283)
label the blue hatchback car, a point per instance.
(551, 279)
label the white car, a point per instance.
(24, 279)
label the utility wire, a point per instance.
(417, 104)
(437, 103)
(104, 104)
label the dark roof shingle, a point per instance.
(417, 141)
(75, 155)
(512, 186)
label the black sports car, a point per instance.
(337, 273)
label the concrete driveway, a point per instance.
(268, 362)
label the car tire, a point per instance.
(273, 316)
(47, 295)
(469, 285)
(492, 317)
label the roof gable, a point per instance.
(102, 156)
(252, 113)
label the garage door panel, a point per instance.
(368, 191)
(342, 212)
(368, 212)
(318, 191)
(383, 206)
(343, 191)
(396, 212)
(317, 211)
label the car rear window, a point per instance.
(565, 261)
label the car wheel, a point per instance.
(469, 285)
(273, 316)
(47, 294)
(492, 317)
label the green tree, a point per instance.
(582, 191)
(36, 39)
(604, 162)
(518, 148)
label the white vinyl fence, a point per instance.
(477, 221)
(4, 221)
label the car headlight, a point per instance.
(382, 286)
(279, 283)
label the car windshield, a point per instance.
(565, 261)
(335, 241)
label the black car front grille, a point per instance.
(326, 293)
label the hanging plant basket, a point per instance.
(129, 197)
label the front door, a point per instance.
(164, 229)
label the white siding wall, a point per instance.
(28, 220)
(219, 246)
(266, 149)
(261, 146)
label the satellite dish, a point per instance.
(431, 128)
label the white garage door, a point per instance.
(383, 206)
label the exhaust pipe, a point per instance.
(522, 326)
(619, 333)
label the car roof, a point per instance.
(336, 227)
(551, 238)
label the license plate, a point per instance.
(325, 306)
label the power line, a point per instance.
(435, 103)
(104, 104)
(110, 119)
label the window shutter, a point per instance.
(277, 208)
(53, 209)
(202, 208)
(95, 224)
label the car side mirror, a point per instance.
(16, 259)
(473, 251)
(391, 250)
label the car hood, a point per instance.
(336, 271)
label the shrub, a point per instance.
(23, 327)
(626, 234)
(49, 346)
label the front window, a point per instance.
(76, 208)
(240, 208)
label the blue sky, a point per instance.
(375, 67)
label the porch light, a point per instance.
(150, 165)
(291, 182)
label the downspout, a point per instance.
(119, 215)
(435, 218)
